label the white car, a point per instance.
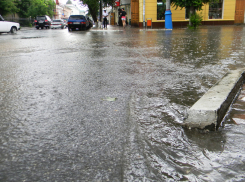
(7, 26)
(58, 24)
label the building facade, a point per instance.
(223, 12)
(63, 11)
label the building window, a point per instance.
(161, 8)
(215, 9)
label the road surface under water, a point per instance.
(107, 105)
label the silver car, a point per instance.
(58, 23)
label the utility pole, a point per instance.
(168, 16)
(144, 13)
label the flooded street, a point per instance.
(107, 105)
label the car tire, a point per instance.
(41, 27)
(13, 30)
(62, 27)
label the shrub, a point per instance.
(195, 20)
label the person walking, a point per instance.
(123, 17)
(105, 14)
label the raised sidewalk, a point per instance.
(209, 111)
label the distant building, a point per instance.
(221, 12)
(66, 12)
(74, 9)
(63, 11)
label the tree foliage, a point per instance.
(8, 6)
(27, 8)
(23, 7)
(197, 4)
(93, 6)
(41, 7)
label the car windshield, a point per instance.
(40, 17)
(57, 21)
(76, 17)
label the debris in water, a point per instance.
(110, 99)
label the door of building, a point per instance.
(239, 14)
(135, 12)
(112, 22)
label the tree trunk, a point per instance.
(192, 11)
(101, 19)
(93, 13)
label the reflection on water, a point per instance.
(159, 149)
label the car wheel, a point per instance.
(62, 27)
(13, 30)
(41, 27)
(37, 27)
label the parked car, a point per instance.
(7, 26)
(58, 24)
(90, 22)
(77, 22)
(42, 21)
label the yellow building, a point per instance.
(223, 12)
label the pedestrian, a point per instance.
(105, 14)
(123, 17)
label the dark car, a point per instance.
(42, 21)
(79, 22)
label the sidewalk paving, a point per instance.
(237, 113)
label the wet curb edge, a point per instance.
(209, 111)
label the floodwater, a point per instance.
(107, 105)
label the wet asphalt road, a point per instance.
(107, 105)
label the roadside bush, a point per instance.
(195, 20)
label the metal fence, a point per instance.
(24, 22)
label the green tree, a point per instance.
(41, 7)
(192, 5)
(8, 6)
(23, 6)
(93, 6)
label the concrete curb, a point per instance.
(209, 111)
